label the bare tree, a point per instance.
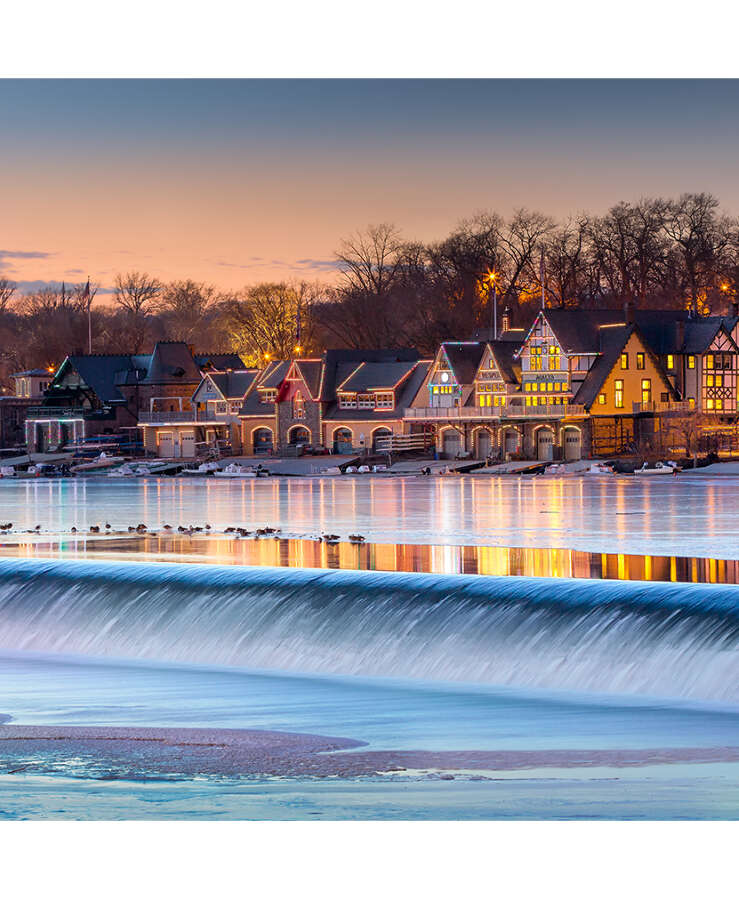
(136, 292)
(272, 321)
(188, 309)
(7, 290)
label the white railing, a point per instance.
(173, 417)
(664, 406)
(514, 411)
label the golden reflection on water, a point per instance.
(429, 558)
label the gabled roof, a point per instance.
(404, 396)
(32, 373)
(233, 385)
(274, 374)
(102, 373)
(172, 363)
(464, 358)
(310, 371)
(613, 339)
(503, 353)
(219, 362)
(339, 364)
(377, 376)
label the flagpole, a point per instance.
(89, 316)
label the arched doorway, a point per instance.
(263, 440)
(572, 444)
(298, 435)
(545, 444)
(483, 443)
(451, 443)
(342, 440)
(379, 437)
(511, 441)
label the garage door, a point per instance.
(187, 440)
(545, 444)
(484, 444)
(452, 443)
(573, 444)
(166, 444)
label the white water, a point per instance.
(673, 641)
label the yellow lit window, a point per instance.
(619, 394)
(534, 386)
(602, 399)
(646, 390)
(528, 401)
(624, 360)
(709, 361)
(691, 362)
(481, 400)
(670, 361)
(719, 381)
(709, 403)
(719, 403)
(640, 360)
(550, 386)
(709, 380)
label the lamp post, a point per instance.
(492, 278)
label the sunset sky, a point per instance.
(239, 181)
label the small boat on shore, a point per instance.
(237, 470)
(600, 469)
(659, 468)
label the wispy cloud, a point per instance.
(28, 287)
(9, 256)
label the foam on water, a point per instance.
(678, 641)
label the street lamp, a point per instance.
(492, 279)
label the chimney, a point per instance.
(506, 320)
(735, 308)
(628, 312)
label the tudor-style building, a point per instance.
(471, 402)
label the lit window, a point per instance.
(550, 386)
(602, 399)
(298, 406)
(709, 380)
(709, 361)
(646, 390)
(619, 393)
(624, 360)
(719, 381)
(640, 360)
(719, 403)
(691, 362)
(709, 403)
(670, 361)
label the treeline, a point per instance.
(392, 291)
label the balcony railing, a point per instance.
(174, 417)
(57, 412)
(455, 413)
(663, 406)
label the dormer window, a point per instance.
(268, 395)
(347, 401)
(385, 400)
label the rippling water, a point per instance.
(687, 516)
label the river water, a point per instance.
(399, 661)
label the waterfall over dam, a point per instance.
(635, 638)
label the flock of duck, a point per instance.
(233, 531)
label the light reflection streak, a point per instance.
(385, 557)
